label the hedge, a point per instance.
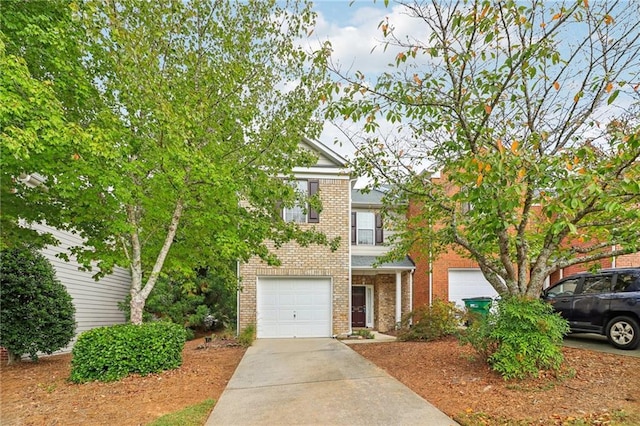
(111, 353)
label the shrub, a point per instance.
(201, 300)
(37, 311)
(478, 335)
(521, 338)
(365, 334)
(247, 335)
(431, 322)
(111, 353)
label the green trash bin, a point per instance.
(478, 306)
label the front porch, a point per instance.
(380, 295)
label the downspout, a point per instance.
(411, 294)
(613, 259)
(411, 289)
(398, 297)
(238, 298)
(430, 263)
(350, 272)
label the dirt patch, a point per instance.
(39, 393)
(593, 386)
(444, 373)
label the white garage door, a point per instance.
(294, 307)
(468, 283)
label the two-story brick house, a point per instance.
(317, 292)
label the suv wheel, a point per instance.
(623, 333)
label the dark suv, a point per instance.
(606, 302)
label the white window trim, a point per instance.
(373, 228)
(304, 209)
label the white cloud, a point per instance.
(357, 45)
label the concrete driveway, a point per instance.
(317, 381)
(596, 342)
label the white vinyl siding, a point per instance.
(96, 302)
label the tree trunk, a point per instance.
(139, 293)
(12, 358)
(137, 307)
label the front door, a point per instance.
(358, 306)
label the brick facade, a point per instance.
(384, 297)
(312, 261)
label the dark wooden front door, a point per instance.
(358, 307)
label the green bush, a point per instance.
(201, 300)
(111, 353)
(521, 338)
(247, 335)
(431, 322)
(478, 335)
(37, 312)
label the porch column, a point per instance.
(398, 296)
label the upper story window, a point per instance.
(302, 213)
(366, 228)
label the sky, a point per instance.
(352, 29)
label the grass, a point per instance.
(194, 415)
(247, 335)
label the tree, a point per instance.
(45, 101)
(202, 106)
(529, 112)
(37, 311)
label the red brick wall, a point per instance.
(628, 260)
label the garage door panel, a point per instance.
(294, 307)
(468, 283)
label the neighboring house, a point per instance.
(316, 292)
(96, 302)
(453, 277)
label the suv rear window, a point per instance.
(627, 281)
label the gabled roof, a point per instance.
(325, 153)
